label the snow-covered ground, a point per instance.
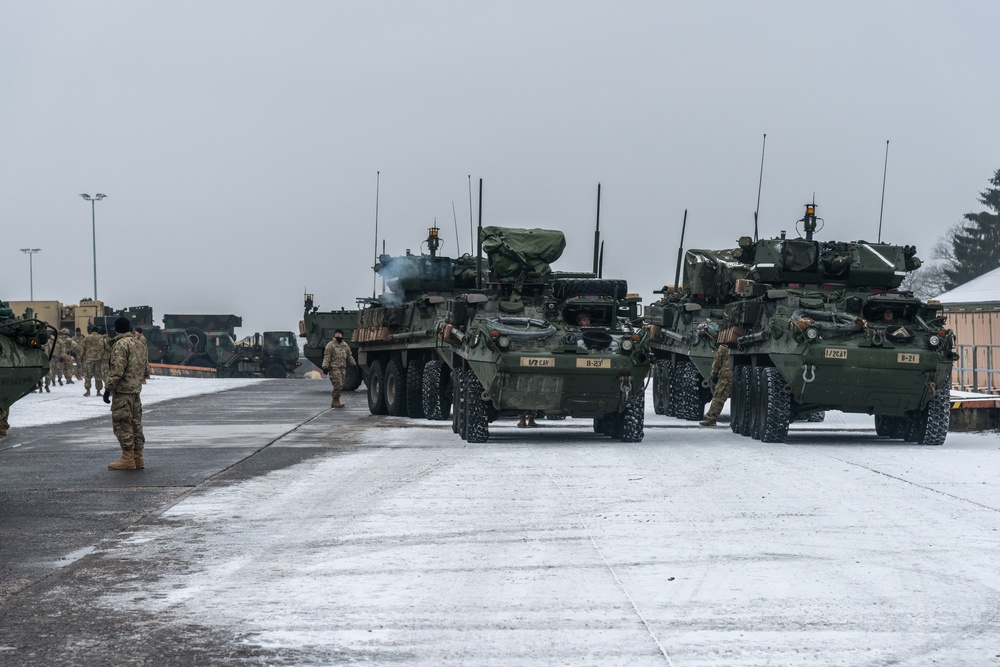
(401, 544)
(66, 403)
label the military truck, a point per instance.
(273, 354)
(23, 359)
(680, 345)
(823, 325)
(532, 340)
(317, 328)
(211, 342)
(396, 333)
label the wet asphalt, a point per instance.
(58, 501)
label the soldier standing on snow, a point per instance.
(722, 376)
(93, 350)
(128, 370)
(336, 358)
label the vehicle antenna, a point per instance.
(760, 182)
(680, 253)
(472, 242)
(375, 273)
(458, 247)
(597, 231)
(479, 245)
(600, 267)
(881, 208)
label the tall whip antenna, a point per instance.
(597, 232)
(881, 207)
(458, 247)
(378, 176)
(760, 182)
(472, 242)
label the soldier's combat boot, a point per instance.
(69, 380)
(126, 462)
(520, 422)
(137, 459)
(531, 421)
(707, 422)
(336, 401)
(86, 393)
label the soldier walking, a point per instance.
(78, 339)
(336, 358)
(722, 377)
(93, 352)
(124, 383)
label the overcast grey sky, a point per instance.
(238, 142)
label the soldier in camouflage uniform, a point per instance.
(124, 383)
(93, 352)
(336, 358)
(145, 349)
(63, 357)
(50, 376)
(722, 377)
(4, 424)
(78, 339)
(105, 352)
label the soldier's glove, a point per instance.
(107, 395)
(715, 380)
(326, 370)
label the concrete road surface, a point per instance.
(268, 529)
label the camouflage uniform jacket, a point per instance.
(93, 347)
(337, 355)
(64, 347)
(720, 364)
(145, 353)
(128, 365)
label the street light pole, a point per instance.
(30, 252)
(93, 229)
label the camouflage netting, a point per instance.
(521, 255)
(712, 273)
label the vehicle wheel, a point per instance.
(932, 426)
(687, 386)
(662, 371)
(275, 370)
(746, 400)
(395, 389)
(599, 425)
(415, 389)
(754, 401)
(458, 401)
(736, 401)
(477, 425)
(884, 426)
(200, 361)
(437, 392)
(775, 406)
(614, 425)
(633, 418)
(376, 388)
(353, 378)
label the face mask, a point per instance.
(340, 339)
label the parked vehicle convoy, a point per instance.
(822, 325)
(530, 340)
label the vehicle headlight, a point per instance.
(812, 333)
(503, 342)
(934, 340)
(627, 344)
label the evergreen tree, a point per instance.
(976, 242)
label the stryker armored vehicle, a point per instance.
(396, 333)
(23, 359)
(317, 328)
(682, 350)
(821, 325)
(531, 340)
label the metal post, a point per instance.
(31, 270)
(93, 230)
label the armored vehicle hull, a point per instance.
(317, 328)
(23, 360)
(822, 326)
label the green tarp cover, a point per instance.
(712, 272)
(516, 255)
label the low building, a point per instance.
(973, 312)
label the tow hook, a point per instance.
(808, 373)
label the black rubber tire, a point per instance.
(599, 425)
(775, 406)
(477, 425)
(884, 426)
(353, 378)
(197, 337)
(756, 406)
(376, 388)
(687, 387)
(633, 420)
(564, 288)
(458, 400)
(736, 407)
(395, 389)
(933, 423)
(662, 371)
(614, 425)
(437, 392)
(746, 400)
(415, 389)
(275, 370)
